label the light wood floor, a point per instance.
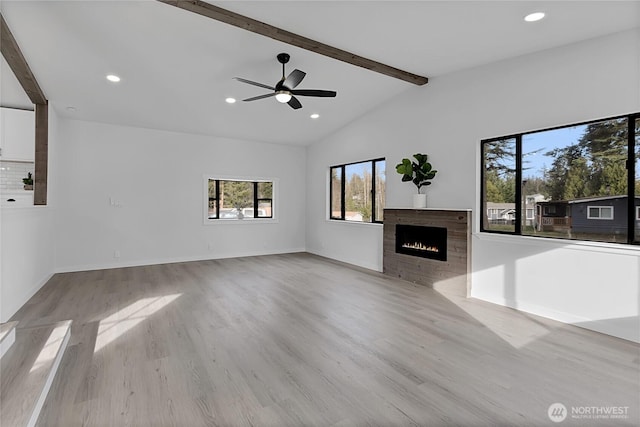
(297, 340)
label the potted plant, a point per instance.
(420, 172)
(28, 182)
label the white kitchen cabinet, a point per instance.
(17, 135)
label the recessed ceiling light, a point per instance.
(113, 78)
(314, 115)
(533, 17)
(230, 100)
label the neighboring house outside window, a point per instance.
(579, 182)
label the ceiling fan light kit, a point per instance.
(283, 96)
(285, 90)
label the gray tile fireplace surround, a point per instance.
(453, 274)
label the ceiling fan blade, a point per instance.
(314, 92)
(240, 79)
(294, 78)
(255, 98)
(294, 103)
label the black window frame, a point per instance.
(256, 200)
(630, 167)
(342, 168)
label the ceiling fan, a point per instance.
(284, 90)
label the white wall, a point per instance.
(447, 119)
(157, 177)
(27, 255)
(27, 245)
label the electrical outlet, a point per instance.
(116, 254)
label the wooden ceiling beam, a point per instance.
(42, 155)
(258, 27)
(18, 64)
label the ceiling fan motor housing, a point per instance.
(283, 58)
(280, 86)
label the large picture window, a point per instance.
(357, 191)
(577, 182)
(230, 199)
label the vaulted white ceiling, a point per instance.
(177, 68)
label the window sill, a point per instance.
(357, 223)
(240, 221)
(583, 245)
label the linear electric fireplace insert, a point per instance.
(422, 241)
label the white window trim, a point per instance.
(638, 213)
(600, 210)
(533, 214)
(238, 221)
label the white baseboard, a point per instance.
(363, 264)
(172, 260)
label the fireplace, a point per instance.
(422, 241)
(452, 275)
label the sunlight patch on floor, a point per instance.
(122, 321)
(518, 329)
(51, 347)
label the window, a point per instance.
(636, 187)
(558, 180)
(264, 199)
(336, 193)
(357, 191)
(231, 199)
(492, 213)
(499, 186)
(600, 212)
